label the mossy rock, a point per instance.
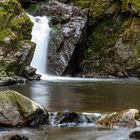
(80, 3)
(18, 110)
(15, 34)
(102, 38)
(130, 5)
(101, 9)
(126, 118)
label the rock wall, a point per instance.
(113, 39)
(111, 32)
(16, 49)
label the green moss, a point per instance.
(15, 28)
(2, 66)
(4, 33)
(99, 9)
(23, 24)
(81, 3)
(103, 36)
(135, 4)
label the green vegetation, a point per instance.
(81, 3)
(15, 28)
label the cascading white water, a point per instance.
(40, 36)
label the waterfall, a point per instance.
(40, 36)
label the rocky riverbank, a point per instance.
(17, 110)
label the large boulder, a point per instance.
(16, 49)
(127, 118)
(67, 38)
(18, 110)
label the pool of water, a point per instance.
(81, 96)
(84, 96)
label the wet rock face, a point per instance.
(127, 118)
(17, 110)
(30, 73)
(68, 36)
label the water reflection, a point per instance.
(83, 96)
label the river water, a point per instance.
(100, 96)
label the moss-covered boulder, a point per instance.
(18, 110)
(127, 118)
(16, 49)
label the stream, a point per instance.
(92, 96)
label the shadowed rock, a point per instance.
(135, 134)
(17, 137)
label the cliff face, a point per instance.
(107, 43)
(16, 49)
(113, 46)
(112, 38)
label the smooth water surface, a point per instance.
(83, 96)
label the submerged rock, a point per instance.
(72, 118)
(135, 134)
(18, 110)
(127, 118)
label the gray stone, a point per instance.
(127, 118)
(67, 38)
(18, 110)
